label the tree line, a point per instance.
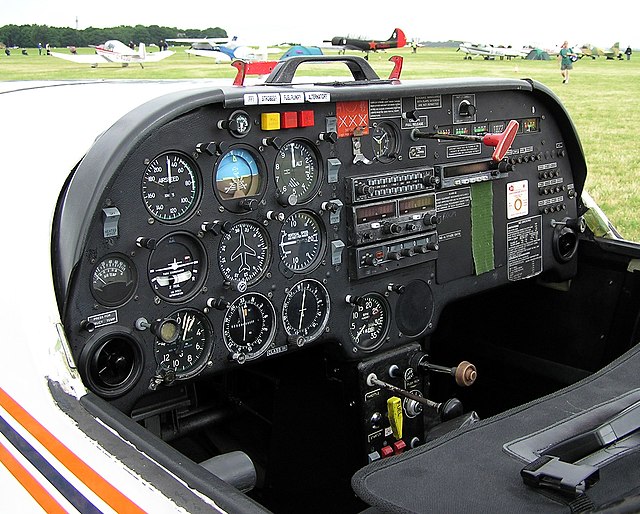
(28, 36)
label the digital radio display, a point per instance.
(375, 212)
(457, 170)
(416, 204)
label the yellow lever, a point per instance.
(394, 410)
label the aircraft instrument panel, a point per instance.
(214, 229)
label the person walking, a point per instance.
(628, 52)
(566, 61)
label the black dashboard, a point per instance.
(212, 230)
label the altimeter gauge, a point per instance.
(297, 172)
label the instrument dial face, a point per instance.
(249, 326)
(171, 187)
(244, 253)
(239, 174)
(114, 280)
(369, 321)
(177, 267)
(187, 354)
(301, 241)
(385, 142)
(297, 170)
(239, 124)
(305, 310)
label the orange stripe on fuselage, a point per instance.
(31, 485)
(87, 475)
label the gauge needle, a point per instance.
(293, 158)
(302, 308)
(168, 171)
(244, 323)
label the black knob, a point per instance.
(411, 115)
(274, 142)
(287, 200)
(216, 227)
(466, 109)
(430, 219)
(363, 189)
(391, 228)
(372, 261)
(396, 288)
(330, 206)
(410, 227)
(329, 137)
(432, 245)
(235, 285)
(248, 204)
(394, 256)
(451, 409)
(275, 216)
(355, 300)
(210, 148)
(146, 242)
(407, 252)
(217, 303)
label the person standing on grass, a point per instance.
(566, 61)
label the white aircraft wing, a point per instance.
(158, 56)
(214, 40)
(211, 54)
(81, 59)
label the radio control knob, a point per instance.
(430, 219)
(432, 245)
(395, 256)
(391, 228)
(410, 227)
(363, 189)
(407, 252)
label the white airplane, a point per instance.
(114, 51)
(224, 50)
(490, 52)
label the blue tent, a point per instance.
(301, 50)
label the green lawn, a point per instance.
(601, 97)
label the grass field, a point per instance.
(601, 97)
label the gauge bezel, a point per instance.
(391, 154)
(238, 356)
(313, 191)
(201, 361)
(134, 271)
(268, 257)
(290, 293)
(232, 204)
(202, 267)
(322, 234)
(197, 175)
(387, 322)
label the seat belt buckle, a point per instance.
(548, 472)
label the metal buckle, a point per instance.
(551, 473)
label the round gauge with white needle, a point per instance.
(114, 280)
(177, 267)
(385, 141)
(302, 242)
(305, 311)
(188, 353)
(244, 253)
(249, 326)
(369, 321)
(171, 187)
(297, 171)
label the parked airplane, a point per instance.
(224, 50)
(490, 52)
(115, 51)
(397, 40)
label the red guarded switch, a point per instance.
(386, 451)
(399, 447)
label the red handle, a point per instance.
(502, 141)
(397, 67)
(251, 68)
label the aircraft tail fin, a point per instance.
(399, 37)
(142, 52)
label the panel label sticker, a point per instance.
(517, 199)
(524, 248)
(385, 108)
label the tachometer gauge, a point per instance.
(244, 253)
(188, 353)
(170, 187)
(177, 267)
(385, 142)
(114, 279)
(297, 172)
(301, 241)
(249, 326)
(305, 311)
(239, 175)
(369, 321)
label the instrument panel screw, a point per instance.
(220, 208)
(150, 221)
(156, 300)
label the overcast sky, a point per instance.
(538, 22)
